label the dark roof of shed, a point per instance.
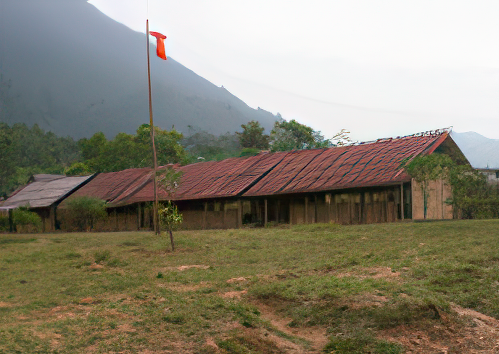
(364, 165)
(44, 191)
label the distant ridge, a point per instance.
(70, 69)
(480, 151)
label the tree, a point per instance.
(84, 211)
(131, 151)
(78, 169)
(169, 217)
(252, 136)
(25, 151)
(472, 196)
(7, 160)
(292, 135)
(203, 146)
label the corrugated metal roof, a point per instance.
(211, 179)
(364, 165)
(44, 191)
(113, 186)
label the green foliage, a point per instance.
(204, 146)
(286, 136)
(28, 220)
(429, 168)
(291, 135)
(77, 169)
(169, 216)
(472, 196)
(82, 212)
(169, 179)
(249, 152)
(131, 151)
(252, 136)
(26, 151)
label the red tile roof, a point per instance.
(362, 165)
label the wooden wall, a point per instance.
(351, 207)
(436, 209)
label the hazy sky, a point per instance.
(377, 68)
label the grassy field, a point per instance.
(386, 288)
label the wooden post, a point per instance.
(316, 213)
(265, 217)
(337, 210)
(11, 221)
(225, 215)
(386, 206)
(205, 215)
(277, 209)
(239, 214)
(291, 211)
(442, 196)
(362, 218)
(139, 217)
(350, 207)
(306, 210)
(327, 199)
(402, 201)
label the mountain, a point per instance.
(480, 151)
(72, 70)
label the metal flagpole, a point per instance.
(155, 207)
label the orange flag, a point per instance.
(160, 44)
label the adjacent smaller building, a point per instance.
(43, 193)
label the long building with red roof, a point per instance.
(360, 183)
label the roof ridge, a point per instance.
(415, 135)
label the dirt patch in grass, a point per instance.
(234, 294)
(385, 273)
(236, 280)
(185, 287)
(309, 339)
(197, 266)
(461, 331)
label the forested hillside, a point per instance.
(73, 71)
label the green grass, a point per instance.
(122, 292)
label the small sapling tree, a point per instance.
(169, 217)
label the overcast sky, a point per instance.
(377, 68)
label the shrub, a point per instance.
(27, 220)
(82, 212)
(4, 223)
